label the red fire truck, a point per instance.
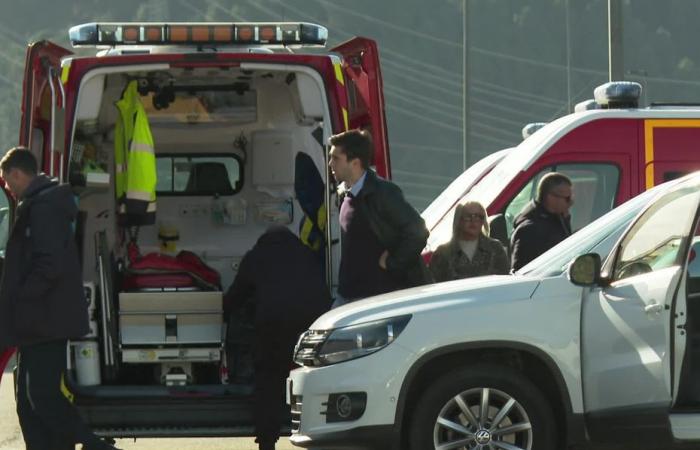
(610, 147)
(240, 114)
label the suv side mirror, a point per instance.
(498, 230)
(585, 270)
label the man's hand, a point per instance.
(382, 259)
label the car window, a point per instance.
(198, 175)
(594, 186)
(656, 239)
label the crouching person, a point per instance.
(283, 280)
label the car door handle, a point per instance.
(654, 308)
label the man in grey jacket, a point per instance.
(42, 304)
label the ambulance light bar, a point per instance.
(618, 94)
(530, 128)
(200, 34)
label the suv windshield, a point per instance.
(599, 237)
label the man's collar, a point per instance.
(357, 186)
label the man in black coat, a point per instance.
(544, 222)
(283, 281)
(382, 235)
(42, 304)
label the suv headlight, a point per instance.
(326, 347)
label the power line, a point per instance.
(426, 148)
(423, 175)
(421, 73)
(498, 107)
(204, 15)
(390, 25)
(512, 98)
(268, 11)
(554, 101)
(9, 81)
(497, 118)
(495, 129)
(424, 118)
(423, 98)
(501, 142)
(423, 106)
(534, 62)
(430, 186)
(398, 73)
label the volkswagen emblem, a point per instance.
(483, 437)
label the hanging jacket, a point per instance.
(135, 161)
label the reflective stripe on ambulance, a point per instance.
(649, 126)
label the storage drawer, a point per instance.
(170, 318)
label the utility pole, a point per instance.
(465, 84)
(616, 60)
(570, 107)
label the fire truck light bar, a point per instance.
(208, 34)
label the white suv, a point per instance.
(566, 352)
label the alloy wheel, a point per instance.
(483, 419)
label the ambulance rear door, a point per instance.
(7, 207)
(42, 127)
(362, 79)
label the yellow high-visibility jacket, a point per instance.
(135, 160)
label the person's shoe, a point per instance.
(267, 446)
(99, 445)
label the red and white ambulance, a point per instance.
(610, 148)
(240, 114)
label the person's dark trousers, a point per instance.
(48, 420)
(273, 359)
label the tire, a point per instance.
(509, 394)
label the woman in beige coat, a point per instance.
(470, 252)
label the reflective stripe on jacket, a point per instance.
(135, 161)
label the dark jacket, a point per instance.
(41, 292)
(399, 227)
(283, 279)
(535, 231)
(450, 263)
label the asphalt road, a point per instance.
(11, 436)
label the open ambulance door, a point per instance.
(43, 126)
(363, 83)
(7, 206)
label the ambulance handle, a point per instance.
(52, 150)
(53, 117)
(63, 123)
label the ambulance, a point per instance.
(240, 114)
(610, 147)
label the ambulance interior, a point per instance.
(227, 141)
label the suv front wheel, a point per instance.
(482, 407)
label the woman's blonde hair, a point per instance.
(485, 228)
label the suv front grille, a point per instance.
(296, 412)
